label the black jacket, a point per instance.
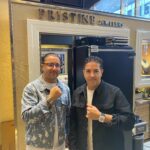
(106, 136)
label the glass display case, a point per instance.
(142, 64)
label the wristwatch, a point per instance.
(101, 117)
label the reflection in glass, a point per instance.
(128, 7)
(112, 6)
(139, 8)
(144, 8)
(145, 61)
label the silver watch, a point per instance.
(101, 117)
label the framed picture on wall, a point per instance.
(142, 61)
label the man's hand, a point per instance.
(54, 94)
(92, 112)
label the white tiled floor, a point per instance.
(147, 145)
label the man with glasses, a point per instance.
(99, 113)
(45, 108)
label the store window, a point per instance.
(144, 8)
(138, 8)
(128, 7)
(112, 6)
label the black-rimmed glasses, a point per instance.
(52, 65)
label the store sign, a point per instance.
(76, 17)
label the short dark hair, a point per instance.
(93, 59)
(48, 54)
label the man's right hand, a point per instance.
(54, 94)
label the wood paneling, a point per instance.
(8, 135)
